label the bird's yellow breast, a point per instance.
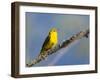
(54, 38)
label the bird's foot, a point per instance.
(44, 56)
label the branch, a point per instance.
(64, 44)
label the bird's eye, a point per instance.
(53, 30)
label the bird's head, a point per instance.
(53, 30)
(53, 33)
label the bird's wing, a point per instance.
(45, 43)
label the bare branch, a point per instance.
(64, 44)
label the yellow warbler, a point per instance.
(50, 42)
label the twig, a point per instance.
(60, 46)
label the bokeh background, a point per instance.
(38, 26)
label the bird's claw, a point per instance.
(44, 56)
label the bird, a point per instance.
(50, 42)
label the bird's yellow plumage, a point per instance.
(50, 41)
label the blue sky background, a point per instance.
(37, 28)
